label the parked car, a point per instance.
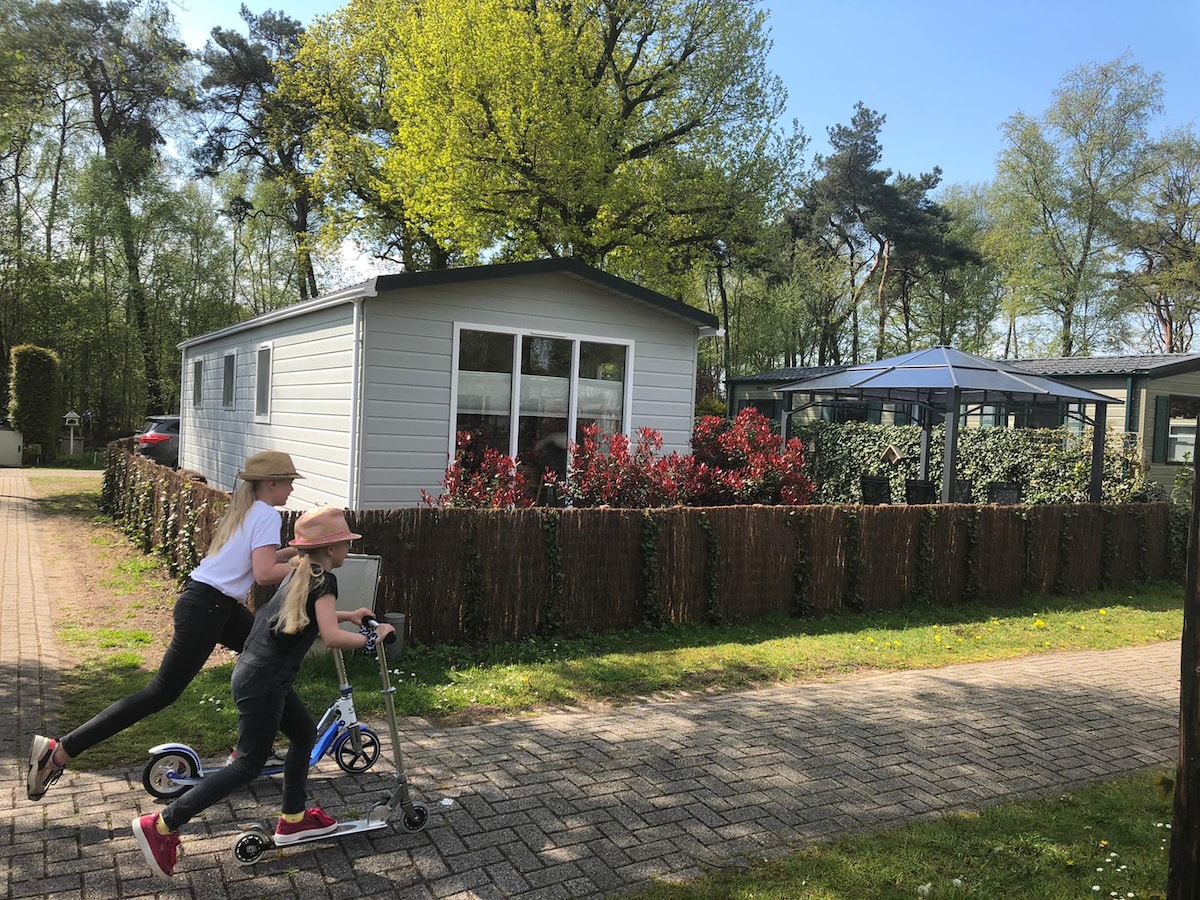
(159, 440)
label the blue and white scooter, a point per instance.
(255, 840)
(176, 768)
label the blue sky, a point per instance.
(946, 73)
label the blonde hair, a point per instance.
(239, 506)
(293, 612)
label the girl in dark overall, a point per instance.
(210, 610)
(304, 606)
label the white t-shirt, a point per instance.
(230, 569)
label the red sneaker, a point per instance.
(160, 850)
(315, 823)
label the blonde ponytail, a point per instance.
(293, 612)
(235, 514)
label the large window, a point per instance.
(485, 378)
(530, 395)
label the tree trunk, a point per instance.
(138, 308)
(725, 344)
(1183, 878)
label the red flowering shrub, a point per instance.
(482, 477)
(733, 462)
(607, 470)
(738, 461)
(743, 461)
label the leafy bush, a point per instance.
(744, 461)
(481, 477)
(609, 470)
(1050, 465)
(739, 461)
(33, 406)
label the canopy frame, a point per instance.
(938, 382)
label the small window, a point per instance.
(197, 382)
(227, 382)
(1175, 423)
(262, 383)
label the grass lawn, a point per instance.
(1108, 840)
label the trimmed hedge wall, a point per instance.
(471, 576)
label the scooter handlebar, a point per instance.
(390, 639)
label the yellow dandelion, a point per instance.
(1104, 612)
(1038, 623)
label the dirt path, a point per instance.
(98, 581)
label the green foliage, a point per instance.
(653, 613)
(535, 129)
(715, 615)
(1050, 465)
(473, 587)
(1064, 183)
(802, 606)
(34, 404)
(550, 623)
(1103, 840)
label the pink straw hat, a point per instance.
(322, 527)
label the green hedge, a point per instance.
(34, 404)
(1051, 466)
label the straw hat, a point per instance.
(321, 527)
(269, 465)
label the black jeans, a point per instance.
(203, 618)
(265, 707)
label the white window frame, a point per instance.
(229, 380)
(263, 413)
(198, 383)
(514, 411)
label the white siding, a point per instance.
(311, 379)
(409, 353)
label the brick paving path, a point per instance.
(591, 804)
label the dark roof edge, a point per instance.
(562, 265)
(1188, 363)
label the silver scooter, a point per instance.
(255, 840)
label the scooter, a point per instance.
(176, 768)
(255, 840)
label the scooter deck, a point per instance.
(344, 828)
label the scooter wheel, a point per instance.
(417, 819)
(250, 845)
(156, 777)
(350, 761)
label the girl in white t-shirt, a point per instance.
(245, 549)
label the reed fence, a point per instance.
(471, 576)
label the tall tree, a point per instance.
(610, 131)
(132, 77)
(252, 123)
(874, 225)
(1063, 179)
(1161, 242)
